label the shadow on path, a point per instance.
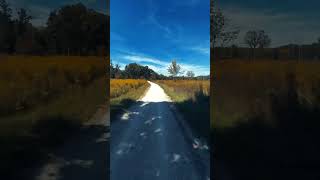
(150, 141)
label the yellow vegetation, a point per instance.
(26, 81)
(242, 88)
(120, 87)
(181, 90)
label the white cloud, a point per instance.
(137, 58)
(201, 49)
(160, 66)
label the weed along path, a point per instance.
(150, 141)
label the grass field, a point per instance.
(192, 99)
(243, 88)
(123, 92)
(266, 119)
(42, 100)
(29, 81)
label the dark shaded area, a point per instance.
(23, 152)
(285, 148)
(115, 110)
(54, 138)
(196, 112)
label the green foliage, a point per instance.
(133, 71)
(71, 30)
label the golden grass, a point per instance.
(124, 92)
(191, 98)
(33, 88)
(119, 87)
(242, 88)
(181, 90)
(27, 81)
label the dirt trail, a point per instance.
(150, 141)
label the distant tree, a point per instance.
(190, 74)
(23, 20)
(7, 36)
(255, 39)
(117, 71)
(5, 9)
(174, 68)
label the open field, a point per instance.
(125, 91)
(266, 119)
(192, 99)
(28, 81)
(243, 88)
(43, 100)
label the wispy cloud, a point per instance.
(137, 58)
(160, 66)
(153, 21)
(201, 50)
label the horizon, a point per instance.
(153, 33)
(286, 23)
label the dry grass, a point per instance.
(181, 90)
(124, 92)
(119, 87)
(242, 88)
(26, 82)
(191, 97)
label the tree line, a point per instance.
(136, 71)
(70, 30)
(257, 42)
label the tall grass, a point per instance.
(181, 90)
(242, 88)
(119, 87)
(27, 81)
(192, 99)
(124, 92)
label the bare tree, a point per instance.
(174, 68)
(221, 31)
(190, 74)
(255, 39)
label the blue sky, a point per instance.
(286, 21)
(40, 9)
(154, 32)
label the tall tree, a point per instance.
(174, 68)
